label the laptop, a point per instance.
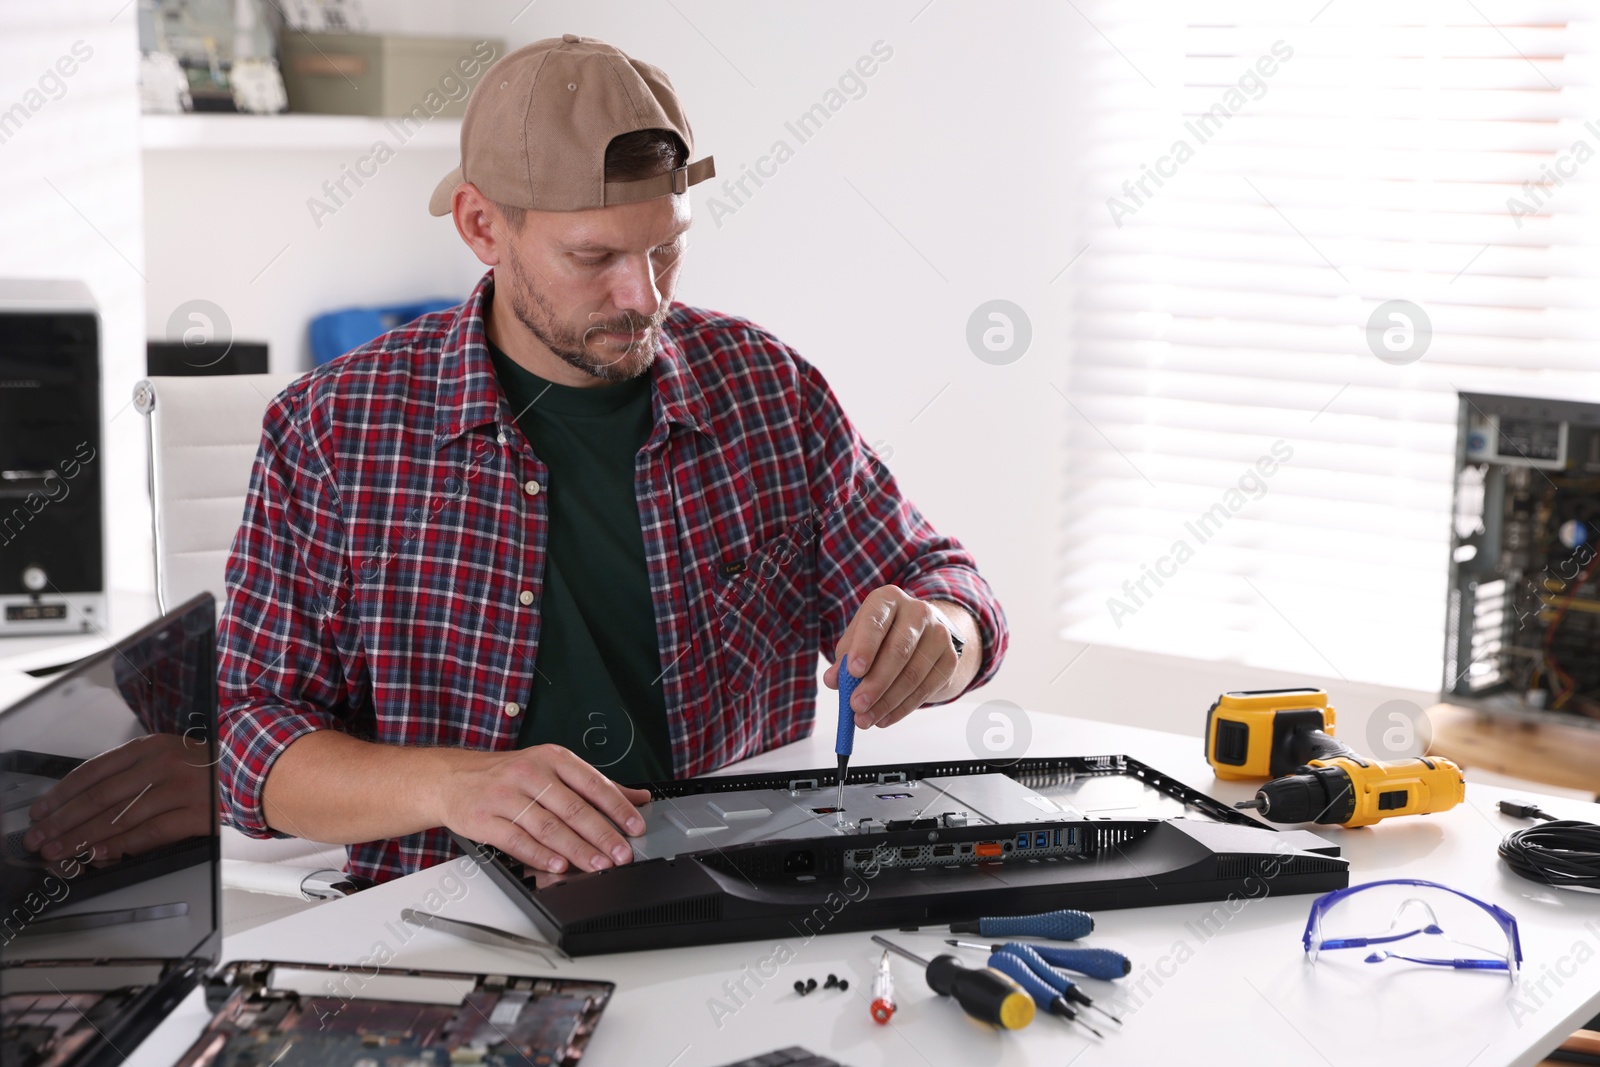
(104, 934)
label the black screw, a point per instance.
(832, 981)
(844, 983)
(811, 983)
(799, 987)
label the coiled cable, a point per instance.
(1561, 852)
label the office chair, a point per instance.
(203, 433)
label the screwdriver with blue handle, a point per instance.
(1043, 993)
(1094, 962)
(1062, 986)
(844, 741)
(1064, 925)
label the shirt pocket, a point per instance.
(761, 612)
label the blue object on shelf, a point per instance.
(337, 332)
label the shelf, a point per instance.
(205, 131)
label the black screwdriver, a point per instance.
(986, 995)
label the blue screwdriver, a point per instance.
(1067, 924)
(1063, 986)
(844, 741)
(1043, 994)
(1094, 962)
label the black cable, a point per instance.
(1517, 809)
(1561, 852)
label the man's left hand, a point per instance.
(900, 648)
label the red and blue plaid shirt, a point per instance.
(386, 578)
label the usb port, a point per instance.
(1022, 839)
(1041, 839)
(943, 850)
(988, 848)
(1058, 838)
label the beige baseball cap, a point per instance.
(539, 121)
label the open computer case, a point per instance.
(1522, 630)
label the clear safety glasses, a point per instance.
(1428, 923)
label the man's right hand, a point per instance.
(543, 806)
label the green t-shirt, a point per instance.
(597, 679)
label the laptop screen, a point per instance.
(108, 811)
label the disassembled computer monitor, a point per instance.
(771, 855)
(1522, 634)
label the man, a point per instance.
(569, 534)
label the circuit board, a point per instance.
(676, 826)
(501, 1022)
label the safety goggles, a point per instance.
(1414, 915)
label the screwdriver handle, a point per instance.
(844, 741)
(1014, 968)
(1064, 925)
(1047, 974)
(986, 995)
(1094, 962)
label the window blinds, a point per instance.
(1246, 479)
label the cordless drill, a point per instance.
(1287, 735)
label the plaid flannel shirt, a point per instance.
(386, 578)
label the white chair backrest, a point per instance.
(203, 433)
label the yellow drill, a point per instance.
(1287, 735)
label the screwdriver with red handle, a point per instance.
(883, 1002)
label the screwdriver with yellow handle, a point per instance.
(986, 995)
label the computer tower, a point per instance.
(1522, 634)
(52, 497)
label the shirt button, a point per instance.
(526, 596)
(513, 709)
(500, 437)
(530, 487)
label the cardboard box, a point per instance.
(383, 75)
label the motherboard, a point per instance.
(495, 1022)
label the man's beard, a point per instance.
(610, 362)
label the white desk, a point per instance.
(1239, 997)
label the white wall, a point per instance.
(231, 226)
(943, 185)
(70, 208)
(948, 183)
